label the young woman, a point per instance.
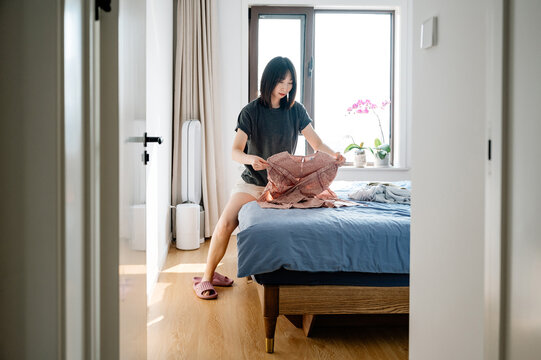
(266, 126)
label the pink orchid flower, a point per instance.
(364, 106)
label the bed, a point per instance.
(306, 262)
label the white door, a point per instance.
(133, 157)
(159, 108)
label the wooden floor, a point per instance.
(181, 326)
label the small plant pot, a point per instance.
(359, 160)
(381, 162)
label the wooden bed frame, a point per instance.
(301, 302)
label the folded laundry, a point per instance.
(301, 182)
(385, 193)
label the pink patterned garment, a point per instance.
(301, 182)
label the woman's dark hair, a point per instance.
(276, 71)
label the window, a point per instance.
(340, 57)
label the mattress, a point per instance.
(369, 238)
(288, 277)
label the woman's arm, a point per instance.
(238, 154)
(317, 144)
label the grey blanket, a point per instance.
(384, 193)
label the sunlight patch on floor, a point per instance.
(157, 320)
(132, 269)
(188, 268)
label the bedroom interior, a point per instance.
(474, 249)
(393, 299)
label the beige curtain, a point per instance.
(195, 98)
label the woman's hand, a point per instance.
(317, 144)
(258, 163)
(339, 158)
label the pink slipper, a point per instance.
(217, 280)
(203, 286)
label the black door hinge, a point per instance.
(489, 149)
(105, 5)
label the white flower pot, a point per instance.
(359, 160)
(381, 162)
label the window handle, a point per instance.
(310, 66)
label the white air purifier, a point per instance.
(188, 224)
(191, 162)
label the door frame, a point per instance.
(102, 191)
(90, 306)
(106, 245)
(80, 269)
(90, 310)
(494, 265)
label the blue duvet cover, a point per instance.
(373, 237)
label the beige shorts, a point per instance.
(243, 187)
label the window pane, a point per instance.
(281, 35)
(352, 62)
(301, 146)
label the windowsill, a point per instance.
(373, 168)
(371, 173)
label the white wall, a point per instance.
(159, 123)
(523, 202)
(233, 83)
(448, 152)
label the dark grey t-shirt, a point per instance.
(269, 131)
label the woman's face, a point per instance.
(282, 88)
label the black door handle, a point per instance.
(149, 139)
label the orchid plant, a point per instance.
(380, 149)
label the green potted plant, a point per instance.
(359, 160)
(381, 153)
(381, 150)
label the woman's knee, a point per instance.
(229, 219)
(226, 225)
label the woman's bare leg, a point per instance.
(226, 225)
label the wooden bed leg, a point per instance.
(270, 313)
(270, 327)
(308, 324)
